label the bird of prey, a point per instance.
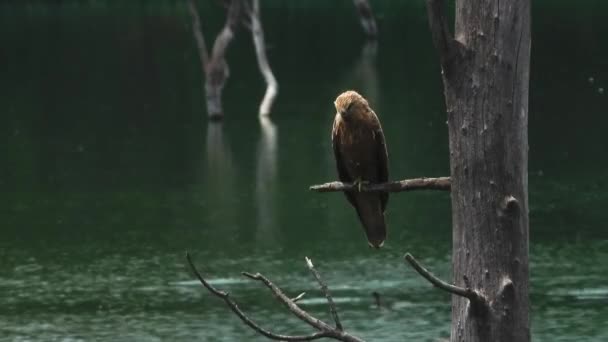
(361, 157)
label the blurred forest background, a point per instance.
(109, 171)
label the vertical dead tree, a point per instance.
(366, 17)
(257, 32)
(485, 68)
(215, 66)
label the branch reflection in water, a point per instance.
(220, 174)
(265, 184)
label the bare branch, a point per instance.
(298, 297)
(301, 314)
(325, 330)
(441, 183)
(225, 36)
(234, 307)
(293, 307)
(330, 301)
(474, 296)
(217, 71)
(198, 34)
(272, 86)
(443, 39)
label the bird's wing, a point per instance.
(342, 172)
(382, 154)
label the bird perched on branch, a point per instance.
(361, 157)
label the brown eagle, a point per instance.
(361, 157)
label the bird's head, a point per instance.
(349, 104)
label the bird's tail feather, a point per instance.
(371, 216)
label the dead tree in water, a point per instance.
(486, 70)
(257, 32)
(215, 66)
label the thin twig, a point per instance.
(301, 314)
(291, 305)
(234, 307)
(441, 183)
(474, 296)
(298, 297)
(330, 301)
(325, 330)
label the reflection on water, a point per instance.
(110, 173)
(266, 183)
(219, 185)
(220, 166)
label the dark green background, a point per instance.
(109, 172)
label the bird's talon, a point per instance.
(359, 182)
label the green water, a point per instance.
(109, 172)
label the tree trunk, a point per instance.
(217, 70)
(486, 75)
(272, 86)
(215, 66)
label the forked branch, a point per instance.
(214, 64)
(444, 41)
(441, 183)
(466, 292)
(324, 329)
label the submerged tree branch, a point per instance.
(324, 329)
(474, 296)
(272, 86)
(441, 183)
(325, 290)
(234, 307)
(290, 304)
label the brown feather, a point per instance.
(361, 154)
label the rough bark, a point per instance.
(486, 75)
